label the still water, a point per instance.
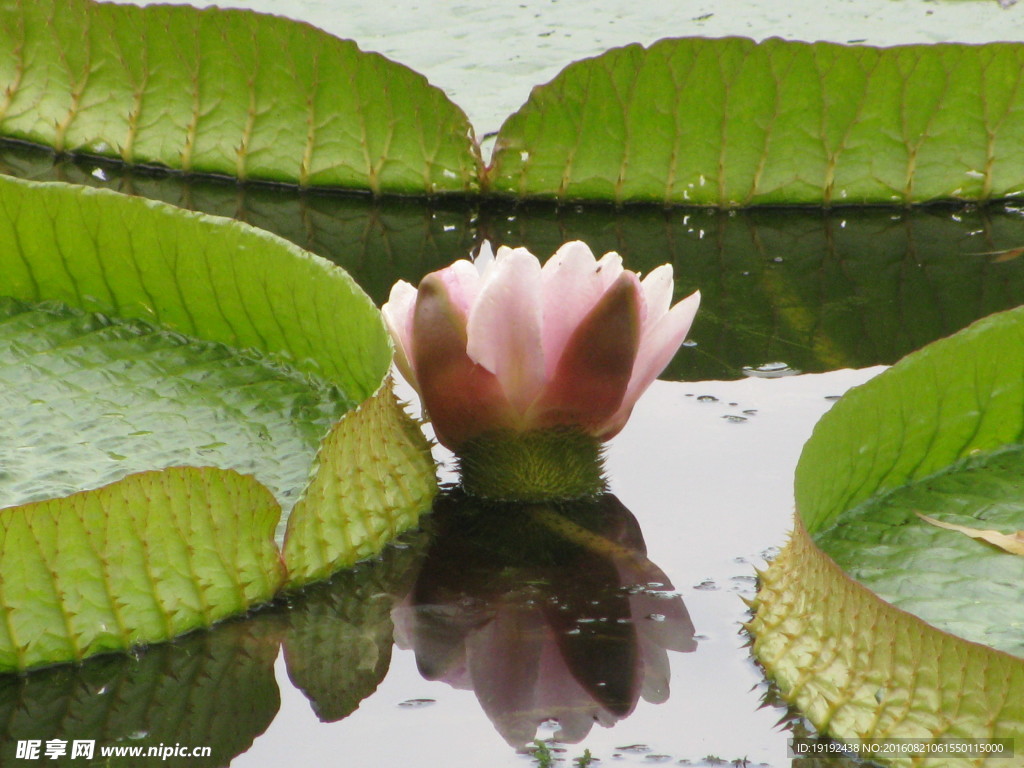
(799, 307)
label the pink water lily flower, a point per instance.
(523, 347)
(520, 348)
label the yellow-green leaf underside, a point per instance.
(940, 432)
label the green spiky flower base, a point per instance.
(542, 465)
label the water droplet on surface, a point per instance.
(769, 371)
(708, 585)
(734, 419)
(656, 616)
(707, 399)
(689, 343)
(832, 397)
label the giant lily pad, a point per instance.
(226, 92)
(874, 622)
(107, 291)
(731, 122)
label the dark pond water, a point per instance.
(622, 620)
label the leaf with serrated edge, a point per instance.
(855, 664)
(374, 476)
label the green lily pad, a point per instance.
(731, 122)
(226, 92)
(106, 291)
(873, 622)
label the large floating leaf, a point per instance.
(226, 92)
(217, 688)
(944, 438)
(731, 122)
(142, 560)
(160, 553)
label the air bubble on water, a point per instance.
(774, 370)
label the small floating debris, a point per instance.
(635, 749)
(416, 703)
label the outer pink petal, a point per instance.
(463, 399)
(657, 347)
(658, 287)
(504, 329)
(609, 267)
(571, 285)
(462, 280)
(594, 372)
(397, 314)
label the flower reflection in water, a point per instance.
(545, 612)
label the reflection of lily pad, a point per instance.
(215, 689)
(204, 547)
(941, 433)
(339, 640)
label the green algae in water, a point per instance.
(88, 399)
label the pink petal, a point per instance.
(462, 280)
(397, 314)
(463, 399)
(572, 282)
(657, 348)
(609, 267)
(504, 325)
(658, 287)
(594, 371)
